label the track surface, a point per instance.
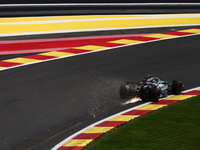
(40, 100)
(95, 10)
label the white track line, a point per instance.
(103, 120)
(94, 124)
(74, 38)
(89, 30)
(96, 51)
(104, 19)
(101, 4)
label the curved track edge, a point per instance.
(83, 137)
(91, 47)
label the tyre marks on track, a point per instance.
(79, 47)
(87, 135)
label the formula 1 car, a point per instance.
(151, 89)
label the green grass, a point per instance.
(175, 127)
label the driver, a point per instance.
(149, 80)
(161, 85)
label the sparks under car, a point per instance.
(151, 89)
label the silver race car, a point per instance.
(151, 89)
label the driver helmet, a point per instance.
(151, 80)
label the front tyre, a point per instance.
(177, 87)
(154, 94)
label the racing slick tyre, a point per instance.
(123, 91)
(177, 87)
(154, 94)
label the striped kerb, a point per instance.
(84, 138)
(72, 48)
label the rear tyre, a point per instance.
(123, 91)
(177, 87)
(154, 94)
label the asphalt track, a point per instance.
(42, 104)
(60, 97)
(13, 11)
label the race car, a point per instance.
(151, 89)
